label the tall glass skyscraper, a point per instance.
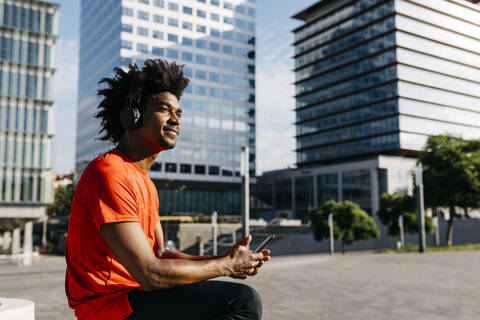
(381, 76)
(375, 79)
(28, 32)
(215, 39)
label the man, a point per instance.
(117, 267)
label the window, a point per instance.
(173, 38)
(125, 61)
(228, 35)
(240, 37)
(170, 167)
(157, 34)
(172, 6)
(202, 1)
(157, 18)
(199, 169)
(185, 168)
(213, 170)
(143, 48)
(213, 76)
(228, 20)
(159, 3)
(173, 22)
(215, 32)
(214, 46)
(251, 26)
(187, 25)
(201, 90)
(187, 41)
(188, 72)
(200, 58)
(127, 12)
(227, 79)
(127, 28)
(201, 44)
(215, 92)
(142, 15)
(214, 17)
(144, 1)
(157, 51)
(142, 31)
(227, 173)
(156, 166)
(239, 23)
(227, 94)
(251, 12)
(187, 56)
(187, 10)
(215, 2)
(240, 9)
(227, 49)
(201, 29)
(201, 74)
(127, 44)
(214, 62)
(201, 13)
(228, 5)
(172, 53)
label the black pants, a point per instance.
(212, 300)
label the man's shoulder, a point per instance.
(109, 165)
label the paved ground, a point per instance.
(356, 286)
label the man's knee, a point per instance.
(249, 302)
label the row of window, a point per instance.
(226, 94)
(27, 19)
(335, 17)
(200, 43)
(25, 52)
(22, 85)
(214, 139)
(214, 123)
(196, 169)
(226, 5)
(368, 112)
(14, 118)
(22, 188)
(217, 108)
(20, 152)
(356, 148)
(205, 154)
(225, 64)
(173, 22)
(351, 132)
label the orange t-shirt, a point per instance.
(112, 189)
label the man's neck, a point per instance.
(139, 155)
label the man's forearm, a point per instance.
(172, 254)
(167, 273)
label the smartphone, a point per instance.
(264, 243)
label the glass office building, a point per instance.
(377, 78)
(215, 40)
(28, 32)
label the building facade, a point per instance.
(378, 78)
(28, 32)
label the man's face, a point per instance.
(161, 121)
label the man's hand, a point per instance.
(245, 262)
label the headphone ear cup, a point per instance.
(130, 118)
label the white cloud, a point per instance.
(65, 97)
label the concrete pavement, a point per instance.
(442, 285)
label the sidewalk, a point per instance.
(358, 286)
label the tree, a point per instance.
(350, 223)
(392, 206)
(62, 202)
(451, 175)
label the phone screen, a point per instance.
(264, 243)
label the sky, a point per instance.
(274, 84)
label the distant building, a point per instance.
(28, 32)
(63, 180)
(374, 79)
(216, 42)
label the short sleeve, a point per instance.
(111, 196)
